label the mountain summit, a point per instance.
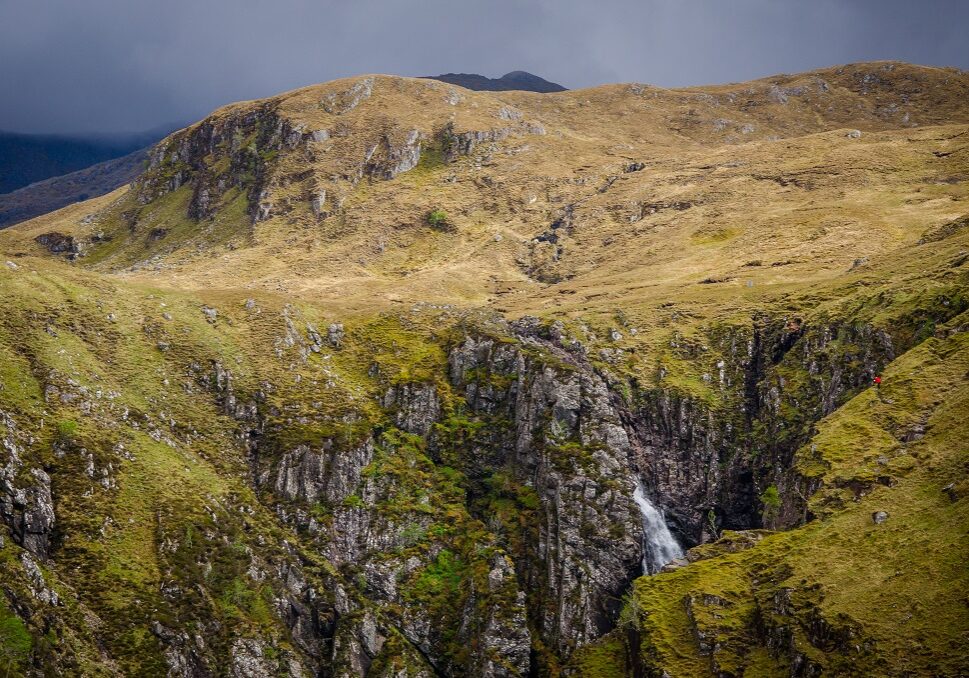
(515, 80)
(389, 377)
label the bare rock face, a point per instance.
(416, 407)
(39, 588)
(565, 440)
(325, 474)
(249, 660)
(344, 102)
(504, 640)
(58, 243)
(182, 653)
(525, 427)
(548, 425)
(461, 143)
(387, 158)
(35, 522)
(334, 335)
(183, 160)
(27, 509)
(708, 467)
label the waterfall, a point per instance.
(659, 545)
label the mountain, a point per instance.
(28, 158)
(387, 377)
(516, 80)
(52, 194)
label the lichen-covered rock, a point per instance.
(39, 588)
(58, 243)
(335, 334)
(462, 143)
(387, 159)
(416, 407)
(503, 644)
(709, 466)
(327, 474)
(339, 103)
(249, 660)
(183, 654)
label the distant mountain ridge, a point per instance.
(515, 80)
(54, 193)
(28, 158)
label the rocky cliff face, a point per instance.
(242, 143)
(709, 465)
(538, 451)
(473, 515)
(553, 426)
(26, 505)
(530, 451)
(275, 160)
(481, 519)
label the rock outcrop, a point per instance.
(26, 505)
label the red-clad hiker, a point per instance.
(878, 383)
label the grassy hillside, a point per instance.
(286, 426)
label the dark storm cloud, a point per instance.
(125, 65)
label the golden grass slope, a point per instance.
(753, 186)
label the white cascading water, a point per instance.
(660, 546)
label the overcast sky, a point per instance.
(71, 66)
